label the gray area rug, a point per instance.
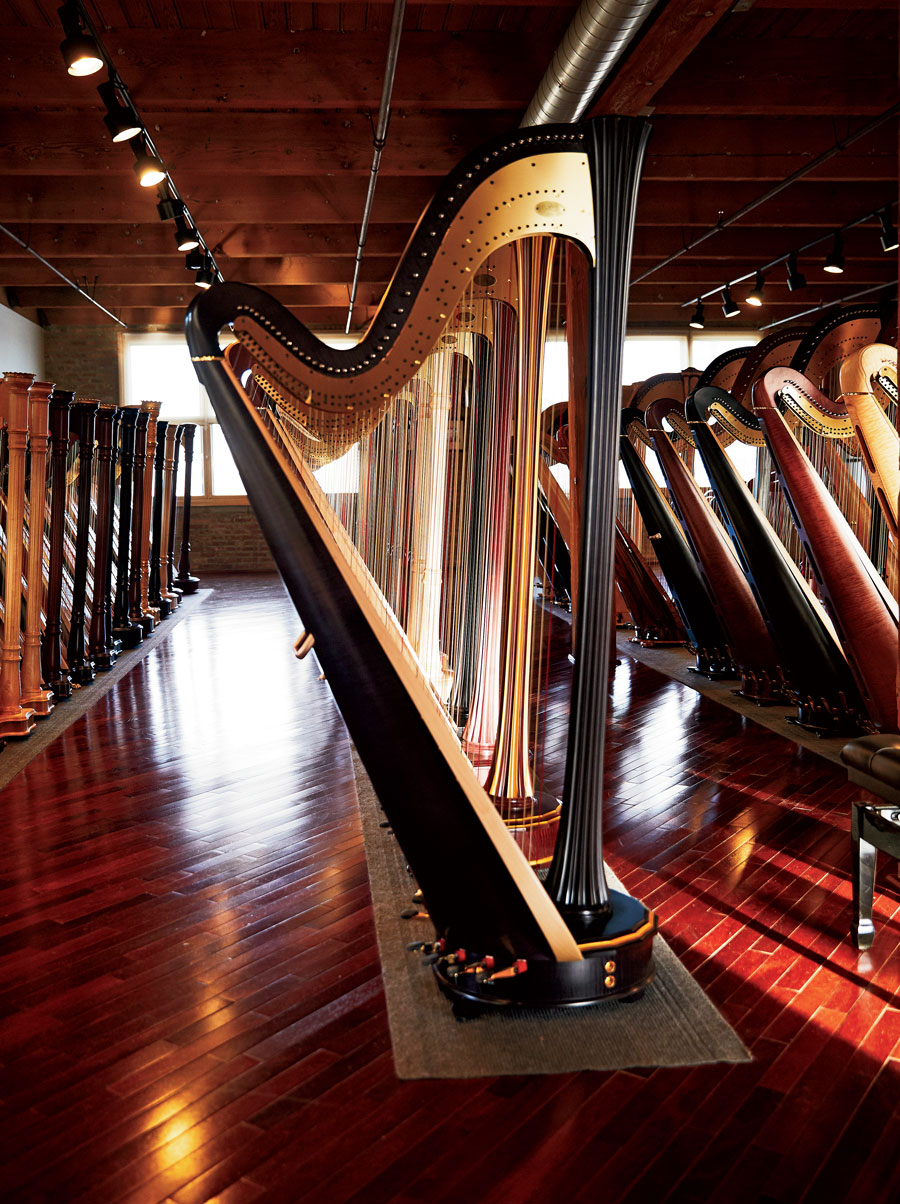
(675, 1024)
(676, 663)
(19, 752)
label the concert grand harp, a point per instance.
(575, 941)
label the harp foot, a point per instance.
(130, 635)
(618, 964)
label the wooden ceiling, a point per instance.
(262, 112)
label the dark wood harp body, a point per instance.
(860, 607)
(737, 609)
(680, 569)
(502, 937)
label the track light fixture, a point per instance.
(730, 308)
(84, 54)
(755, 296)
(172, 210)
(80, 52)
(889, 241)
(697, 322)
(121, 119)
(795, 278)
(834, 261)
(206, 275)
(186, 237)
(148, 169)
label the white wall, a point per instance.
(21, 344)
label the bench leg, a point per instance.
(863, 871)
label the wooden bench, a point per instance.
(873, 762)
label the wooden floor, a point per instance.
(191, 997)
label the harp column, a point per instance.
(151, 408)
(34, 693)
(129, 633)
(55, 676)
(576, 880)
(137, 611)
(172, 504)
(184, 581)
(15, 719)
(84, 416)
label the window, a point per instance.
(158, 367)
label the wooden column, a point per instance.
(102, 650)
(15, 719)
(137, 612)
(56, 677)
(152, 409)
(156, 522)
(130, 634)
(34, 693)
(171, 570)
(184, 581)
(84, 415)
(169, 595)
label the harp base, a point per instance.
(61, 687)
(823, 720)
(105, 660)
(187, 585)
(82, 674)
(618, 966)
(129, 635)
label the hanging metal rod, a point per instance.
(378, 140)
(724, 222)
(865, 292)
(813, 242)
(61, 275)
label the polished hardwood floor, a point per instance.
(192, 1008)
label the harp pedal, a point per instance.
(303, 645)
(429, 948)
(479, 969)
(414, 913)
(518, 967)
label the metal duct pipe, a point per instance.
(590, 48)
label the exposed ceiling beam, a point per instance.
(662, 46)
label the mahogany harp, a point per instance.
(501, 936)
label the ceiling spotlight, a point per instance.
(730, 308)
(121, 120)
(795, 278)
(206, 275)
(834, 263)
(80, 52)
(696, 321)
(195, 260)
(755, 296)
(186, 237)
(889, 240)
(147, 167)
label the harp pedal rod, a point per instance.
(303, 645)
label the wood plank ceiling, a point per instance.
(262, 112)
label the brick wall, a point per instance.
(83, 358)
(226, 539)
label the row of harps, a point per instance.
(427, 512)
(88, 501)
(788, 579)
